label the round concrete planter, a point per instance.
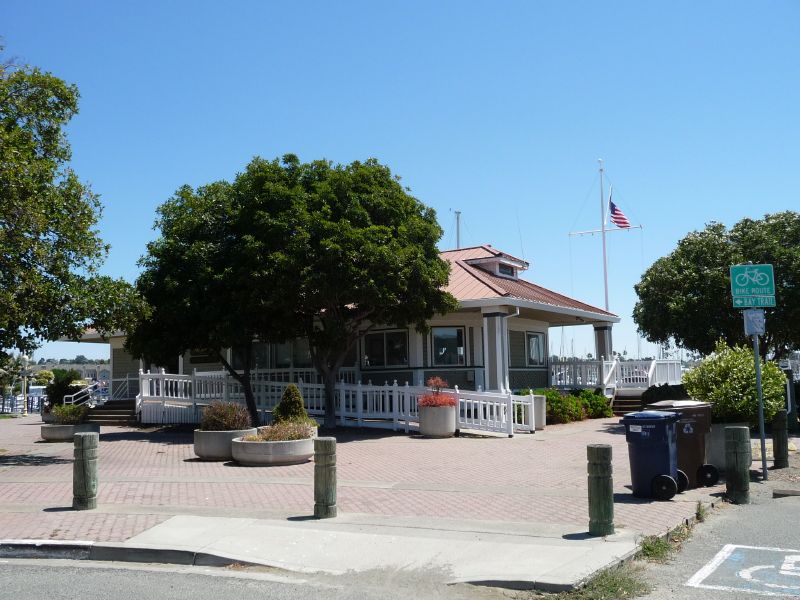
(65, 433)
(264, 454)
(715, 444)
(437, 421)
(216, 445)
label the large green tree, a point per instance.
(50, 250)
(317, 250)
(686, 296)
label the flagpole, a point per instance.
(603, 229)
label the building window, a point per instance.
(301, 354)
(448, 346)
(535, 355)
(283, 356)
(505, 270)
(386, 349)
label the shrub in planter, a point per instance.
(291, 408)
(665, 391)
(220, 424)
(283, 431)
(437, 411)
(727, 379)
(70, 414)
(225, 416)
(61, 385)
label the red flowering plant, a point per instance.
(437, 398)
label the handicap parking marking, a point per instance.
(753, 569)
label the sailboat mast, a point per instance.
(603, 230)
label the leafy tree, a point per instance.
(685, 296)
(50, 250)
(290, 249)
(42, 377)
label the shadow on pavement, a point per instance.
(161, 436)
(31, 460)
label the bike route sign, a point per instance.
(752, 286)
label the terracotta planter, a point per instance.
(437, 421)
(216, 445)
(65, 433)
(715, 444)
(264, 454)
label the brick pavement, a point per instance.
(148, 476)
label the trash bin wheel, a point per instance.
(664, 487)
(708, 475)
(682, 481)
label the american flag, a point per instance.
(618, 218)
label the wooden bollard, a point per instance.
(601, 490)
(324, 477)
(738, 458)
(780, 440)
(84, 471)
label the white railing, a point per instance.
(83, 396)
(571, 373)
(170, 398)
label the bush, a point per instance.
(62, 385)
(225, 416)
(596, 406)
(283, 431)
(290, 408)
(437, 398)
(727, 379)
(70, 414)
(561, 408)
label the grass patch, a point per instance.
(655, 548)
(6, 416)
(623, 581)
(701, 512)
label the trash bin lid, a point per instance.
(679, 404)
(650, 415)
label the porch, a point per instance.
(614, 377)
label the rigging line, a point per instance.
(452, 229)
(519, 229)
(585, 198)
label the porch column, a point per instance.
(495, 335)
(602, 341)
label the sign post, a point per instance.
(753, 286)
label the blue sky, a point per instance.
(499, 110)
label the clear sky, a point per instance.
(497, 109)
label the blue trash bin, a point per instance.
(653, 454)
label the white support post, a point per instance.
(458, 409)
(406, 406)
(395, 407)
(359, 404)
(510, 415)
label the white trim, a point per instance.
(520, 303)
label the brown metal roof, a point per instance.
(469, 282)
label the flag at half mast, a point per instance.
(618, 218)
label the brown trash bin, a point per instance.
(693, 425)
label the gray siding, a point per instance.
(123, 364)
(516, 349)
(528, 378)
(455, 377)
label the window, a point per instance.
(301, 354)
(283, 356)
(448, 346)
(535, 356)
(386, 349)
(505, 270)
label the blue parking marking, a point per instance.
(753, 569)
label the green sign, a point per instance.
(752, 286)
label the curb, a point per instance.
(83, 550)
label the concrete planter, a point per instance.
(264, 454)
(65, 433)
(715, 444)
(437, 421)
(216, 445)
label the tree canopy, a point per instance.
(50, 250)
(686, 295)
(289, 249)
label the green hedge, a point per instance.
(576, 405)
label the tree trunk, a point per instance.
(329, 377)
(247, 387)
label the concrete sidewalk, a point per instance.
(512, 512)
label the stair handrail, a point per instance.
(82, 395)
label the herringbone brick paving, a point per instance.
(148, 476)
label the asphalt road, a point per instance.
(88, 580)
(739, 552)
